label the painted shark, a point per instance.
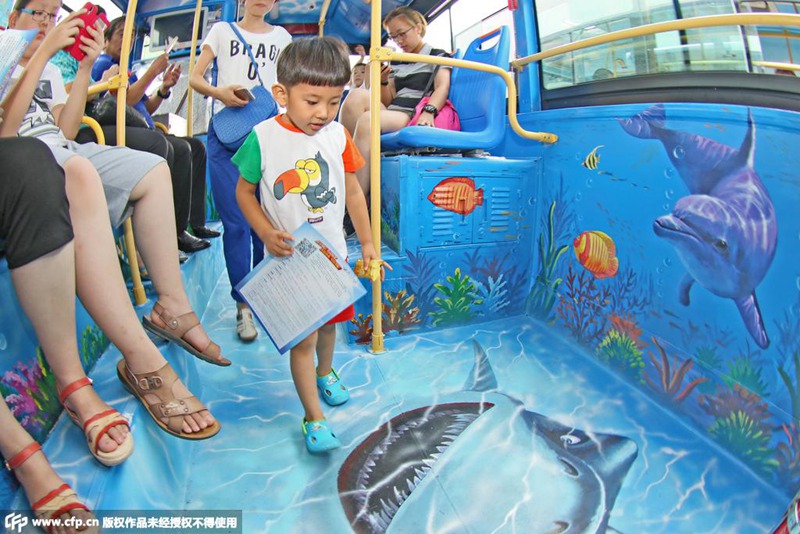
(725, 231)
(483, 461)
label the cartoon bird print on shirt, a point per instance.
(310, 180)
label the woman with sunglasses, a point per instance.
(402, 87)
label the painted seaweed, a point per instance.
(742, 371)
(670, 387)
(793, 388)
(30, 392)
(398, 315)
(619, 352)
(492, 296)
(787, 454)
(93, 343)
(741, 424)
(630, 293)
(460, 295)
(582, 307)
(421, 277)
(627, 325)
(740, 433)
(363, 330)
(788, 342)
(542, 297)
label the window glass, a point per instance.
(724, 48)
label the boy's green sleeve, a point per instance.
(248, 159)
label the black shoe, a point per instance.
(204, 232)
(189, 243)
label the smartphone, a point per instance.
(90, 18)
(244, 94)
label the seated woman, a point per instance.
(131, 180)
(35, 226)
(400, 93)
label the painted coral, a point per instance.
(670, 387)
(621, 353)
(582, 306)
(741, 434)
(398, 313)
(363, 330)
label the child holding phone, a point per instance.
(235, 71)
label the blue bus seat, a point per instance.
(479, 98)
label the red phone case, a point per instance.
(89, 18)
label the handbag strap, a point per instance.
(214, 68)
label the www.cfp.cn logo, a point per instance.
(15, 522)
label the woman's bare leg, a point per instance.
(46, 290)
(99, 279)
(355, 105)
(157, 241)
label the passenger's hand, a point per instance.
(64, 34)
(369, 255)
(111, 71)
(425, 119)
(277, 243)
(171, 77)
(92, 45)
(360, 51)
(159, 64)
(1, 116)
(226, 96)
(386, 72)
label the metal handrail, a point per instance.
(198, 9)
(736, 19)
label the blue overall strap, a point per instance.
(249, 51)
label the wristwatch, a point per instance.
(430, 108)
(163, 97)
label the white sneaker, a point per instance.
(245, 326)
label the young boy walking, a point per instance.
(304, 166)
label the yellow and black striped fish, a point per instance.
(591, 161)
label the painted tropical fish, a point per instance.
(429, 468)
(725, 231)
(457, 194)
(592, 159)
(597, 253)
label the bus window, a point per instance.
(718, 49)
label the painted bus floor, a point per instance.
(497, 427)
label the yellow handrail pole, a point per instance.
(543, 137)
(198, 9)
(323, 15)
(737, 19)
(375, 169)
(96, 129)
(777, 65)
(139, 295)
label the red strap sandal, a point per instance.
(60, 501)
(99, 425)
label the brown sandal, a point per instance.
(101, 422)
(61, 500)
(176, 327)
(167, 411)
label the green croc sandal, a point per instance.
(319, 437)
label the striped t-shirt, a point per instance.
(411, 79)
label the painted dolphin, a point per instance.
(725, 232)
(430, 468)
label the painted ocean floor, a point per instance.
(498, 427)
(563, 438)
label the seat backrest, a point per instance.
(479, 96)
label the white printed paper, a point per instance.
(13, 44)
(294, 295)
